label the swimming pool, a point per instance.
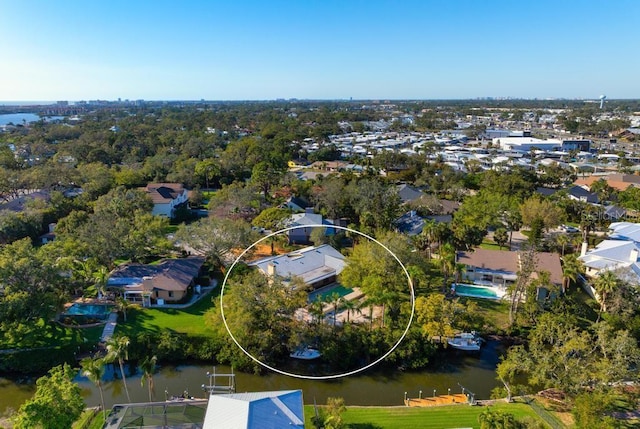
(96, 310)
(327, 291)
(476, 291)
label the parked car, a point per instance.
(569, 229)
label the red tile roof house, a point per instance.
(499, 268)
(166, 282)
(166, 197)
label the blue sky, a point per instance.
(321, 49)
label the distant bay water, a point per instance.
(18, 118)
(21, 118)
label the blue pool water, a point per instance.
(89, 309)
(477, 291)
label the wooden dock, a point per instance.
(437, 400)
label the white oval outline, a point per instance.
(318, 377)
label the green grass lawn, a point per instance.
(49, 334)
(187, 321)
(495, 312)
(455, 416)
(488, 244)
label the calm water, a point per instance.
(476, 373)
(17, 118)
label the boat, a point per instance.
(467, 341)
(307, 353)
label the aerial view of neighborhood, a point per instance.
(277, 235)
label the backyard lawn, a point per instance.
(455, 416)
(48, 334)
(185, 321)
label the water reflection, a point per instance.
(475, 373)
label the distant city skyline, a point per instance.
(317, 50)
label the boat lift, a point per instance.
(214, 387)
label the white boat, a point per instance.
(307, 353)
(467, 341)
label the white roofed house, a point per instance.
(166, 198)
(255, 410)
(316, 266)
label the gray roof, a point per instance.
(410, 223)
(407, 193)
(311, 264)
(170, 274)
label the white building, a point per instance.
(166, 197)
(621, 253)
(255, 410)
(525, 144)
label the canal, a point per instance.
(454, 369)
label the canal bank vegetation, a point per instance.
(92, 177)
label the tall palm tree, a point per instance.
(117, 350)
(334, 299)
(447, 262)
(459, 269)
(604, 285)
(348, 305)
(148, 366)
(122, 304)
(100, 277)
(563, 240)
(571, 268)
(316, 309)
(93, 369)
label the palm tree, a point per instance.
(571, 268)
(122, 304)
(334, 299)
(604, 285)
(93, 369)
(459, 269)
(100, 278)
(117, 351)
(148, 366)
(562, 240)
(349, 305)
(428, 236)
(316, 310)
(447, 262)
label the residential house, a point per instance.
(255, 410)
(410, 223)
(22, 201)
(575, 192)
(499, 268)
(296, 204)
(49, 236)
(166, 282)
(316, 266)
(611, 255)
(617, 181)
(303, 222)
(578, 193)
(166, 198)
(408, 193)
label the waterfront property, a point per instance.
(496, 270)
(95, 310)
(475, 291)
(316, 266)
(259, 410)
(166, 282)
